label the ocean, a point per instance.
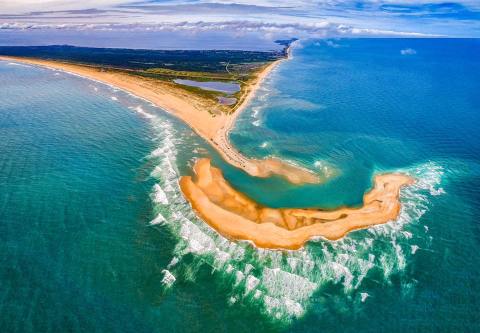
(96, 237)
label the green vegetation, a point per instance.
(230, 73)
(165, 66)
(199, 76)
(211, 61)
(241, 74)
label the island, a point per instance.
(237, 217)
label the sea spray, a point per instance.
(282, 283)
(429, 121)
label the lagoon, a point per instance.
(224, 87)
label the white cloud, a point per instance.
(27, 6)
(408, 51)
(321, 17)
(319, 29)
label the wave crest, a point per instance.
(282, 284)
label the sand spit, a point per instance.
(238, 217)
(202, 115)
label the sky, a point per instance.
(241, 24)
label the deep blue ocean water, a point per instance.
(95, 236)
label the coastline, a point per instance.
(226, 210)
(236, 216)
(260, 168)
(197, 113)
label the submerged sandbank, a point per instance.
(205, 117)
(238, 217)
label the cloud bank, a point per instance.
(268, 19)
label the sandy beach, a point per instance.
(235, 216)
(228, 211)
(203, 116)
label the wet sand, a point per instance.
(235, 216)
(207, 118)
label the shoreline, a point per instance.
(228, 211)
(235, 216)
(192, 110)
(269, 166)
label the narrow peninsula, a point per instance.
(199, 109)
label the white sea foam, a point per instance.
(159, 151)
(169, 188)
(173, 262)
(168, 278)
(17, 64)
(158, 220)
(255, 111)
(364, 297)
(196, 240)
(407, 234)
(342, 273)
(251, 283)
(256, 123)
(293, 262)
(239, 276)
(142, 112)
(114, 98)
(248, 268)
(279, 307)
(326, 169)
(221, 257)
(282, 283)
(414, 248)
(163, 172)
(159, 195)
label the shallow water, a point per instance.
(95, 235)
(225, 87)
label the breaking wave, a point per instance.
(281, 283)
(18, 64)
(142, 112)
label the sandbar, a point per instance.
(237, 217)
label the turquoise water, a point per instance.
(95, 235)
